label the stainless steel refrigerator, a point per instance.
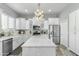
(54, 33)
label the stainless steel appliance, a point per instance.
(7, 46)
(54, 33)
(36, 30)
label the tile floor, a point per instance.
(61, 51)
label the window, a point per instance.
(7, 22)
(4, 21)
(11, 22)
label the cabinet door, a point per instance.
(22, 20)
(77, 32)
(11, 22)
(27, 24)
(46, 25)
(53, 21)
(17, 23)
(72, 39)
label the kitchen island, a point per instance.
(39, 46)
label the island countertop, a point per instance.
(8, 37)
(39, 41)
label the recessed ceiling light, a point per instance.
(26, 10)
(49, 10)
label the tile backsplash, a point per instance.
(12, 32)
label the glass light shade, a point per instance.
(37, 10)
(42, 11)
(39, 14)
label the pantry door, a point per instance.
(77, 32)
(72, 33)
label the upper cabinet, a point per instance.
(11, 22)
(27, 24)
(53, 21)
(17, 23)
(22, 23)
(46, 25)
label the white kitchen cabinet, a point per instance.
(11, 22)
(53, 21)
(22, 23)
(35, 22)
(17, 23)
(72, 31)
(27, 25)
(64, 32)
(46, 25)
(77, 32)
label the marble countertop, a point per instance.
(8, 37)
(40, 40)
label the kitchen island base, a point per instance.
(39, 46)
(39, 51)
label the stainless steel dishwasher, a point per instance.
(7, 46)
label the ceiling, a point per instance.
(56, 8)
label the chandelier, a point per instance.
(39, 13)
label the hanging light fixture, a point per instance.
(39, 13)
